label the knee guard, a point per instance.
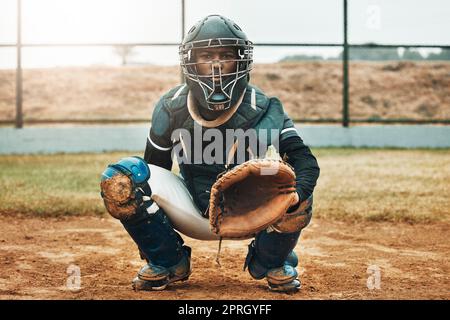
(124, 188)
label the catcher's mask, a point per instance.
(216, 90)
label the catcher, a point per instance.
(226, 188)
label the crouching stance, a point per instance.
(151, 202)
(218, 127)
(128, 197)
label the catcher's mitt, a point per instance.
(251, 197)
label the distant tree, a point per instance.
(411, 54)
(300, 57)
(372, 54)
(443, 55)
(124, 52)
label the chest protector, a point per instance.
(256, 116)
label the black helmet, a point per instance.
(216, 31)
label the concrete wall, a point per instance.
(401, 136)
(133, 137)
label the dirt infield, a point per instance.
(337, 261)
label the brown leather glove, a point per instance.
(251, 197)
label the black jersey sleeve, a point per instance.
(300, 157)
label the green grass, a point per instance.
(355, 184)
(53, 185)
(383, 185)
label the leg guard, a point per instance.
(273, 249)
(157, 240)
(271, 256)
(125, 189)
(162, 247)
(127, 197)
(269, 251)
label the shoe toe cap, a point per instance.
(153, 272)
(281, 275)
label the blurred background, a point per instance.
(103, 61)
(367, 82)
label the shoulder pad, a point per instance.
(176, 98)
(276, 103)
(253, 106)
(160, 119)
(256, 98)
(169, 103)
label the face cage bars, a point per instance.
(206, 82)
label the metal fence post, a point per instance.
(182, 34)
(345, 92)
(19, 115)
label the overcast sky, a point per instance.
(52, 21)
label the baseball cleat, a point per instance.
(283, 279)
(156, 278)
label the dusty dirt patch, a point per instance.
(35, 255)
